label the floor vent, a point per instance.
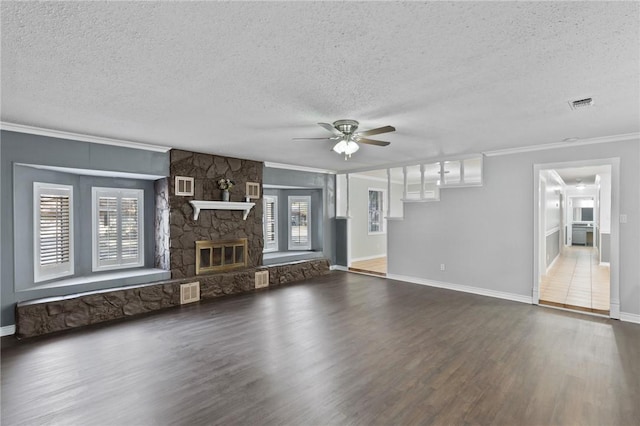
(262, 279)
(189, 292)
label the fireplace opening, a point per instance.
(212, 256)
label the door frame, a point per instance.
(614, 265)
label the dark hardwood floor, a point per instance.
(341, 349)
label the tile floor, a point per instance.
(377, 266)
(577, 281)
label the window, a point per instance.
(117, 228)
(299, 223)
(376, 200)
(270, 223)
(53, 231)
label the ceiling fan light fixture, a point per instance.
(346, 147)
(340, 147)
(352, 147)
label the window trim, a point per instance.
(274, 245)
(383, 228)
(292, 245)
(60, 270)
(119, 193)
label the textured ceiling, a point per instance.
(241, 79)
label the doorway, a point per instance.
(575, 238)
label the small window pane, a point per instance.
(414, 183)
(53, 230)
(299, 223)
(473, 170)
(375, 211)
(451, 172)
(270, 220)
(118, 228)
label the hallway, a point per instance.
(377, 266)
(577, 281)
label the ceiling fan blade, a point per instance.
(310, 139)
(316, 139)
(330, 128)
(372, 142)
(385, 129)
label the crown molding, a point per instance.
(557, 145)
(60, 134)
(373, 178)
(298, 168)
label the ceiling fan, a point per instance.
(346, 137)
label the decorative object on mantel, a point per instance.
(253, 190)
(183, 186)
(220, 205)
(225, 184)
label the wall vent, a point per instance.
(262, 279)
(581, 103)
(189, 292)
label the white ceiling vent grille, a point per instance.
(189, 292)
(262, 279)
(581, 103)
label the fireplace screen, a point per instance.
(214, 256)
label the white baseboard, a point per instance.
(604, 264)
(552, 263)
(338, 268)
(614, 309)
(464, 288)
(375, 256)
(624, 316)
(7, 330)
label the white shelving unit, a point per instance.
(220, 205)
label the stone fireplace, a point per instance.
(219, 256)
(212, 225)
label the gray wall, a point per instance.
(493, 249)
(23, 218)
(341, 242)
(42, 150)
(323, 181)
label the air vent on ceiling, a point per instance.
(581, 103)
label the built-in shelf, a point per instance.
(220, 205)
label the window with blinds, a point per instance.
(299, 223)
(376, 211)
(117, 228)
(53, 231)
(270, 223)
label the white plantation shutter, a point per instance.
(299, 223)
(53, 231)
(130, 230)
(117, 228)
(270, 223)
(108, 230)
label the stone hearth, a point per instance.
(37, 317)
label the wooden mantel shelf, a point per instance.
(220, 205)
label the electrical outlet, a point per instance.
(623, 218)
(442, 266)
